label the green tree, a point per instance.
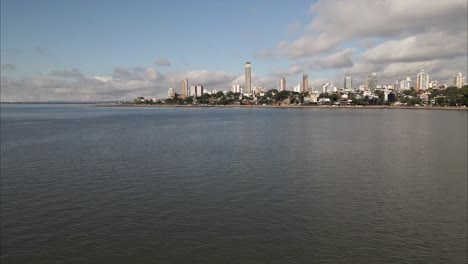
(219, 94)
(440, 101)
(334, 97)
(281, 95)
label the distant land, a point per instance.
(297, 106)
(61, 102)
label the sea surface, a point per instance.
(85, 184)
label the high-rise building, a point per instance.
(396, 85)
(283, 83)
(348, 83)
(371, 82)
(329, 88)
(297, 88)
(236, 88)
(305, 83)
(196, 90)
(459, 80)
(185, 90)
(248, 78)
(422, 82)
(406, 84)
(171, 93)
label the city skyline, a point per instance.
(50, 54)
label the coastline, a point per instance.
(295, 106)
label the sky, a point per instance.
(86, 50)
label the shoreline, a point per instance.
(296, 106)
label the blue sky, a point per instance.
(96, 36)
(78, 50)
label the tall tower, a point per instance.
(422, 82)
(185, 88)
(248, 78)
(348, 83)
(283, 83)
(305, 83)
(459, 80)
(371, 82)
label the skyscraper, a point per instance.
(185, 88)
(236, 88)
(305, 83)
(348, 83)
(422, 82)
(371, 82)
(283, 83)
(196, 90)
(459, 80)
(248, 78)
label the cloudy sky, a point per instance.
(80, 50)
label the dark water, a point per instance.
(81, 184)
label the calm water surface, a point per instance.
(81, 184)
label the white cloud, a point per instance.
(336, 22)
(124, 84)
(340, 59)
(153, 75)
(385, 18)
(308, 45)
(293, 28)
(293, 69)
(103, 78)
(73, 73)
(428, 46)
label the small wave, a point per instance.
(25, 123)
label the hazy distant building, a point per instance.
(422, 81)
(236, 88)
(196, 90)
(406, 84)
(459, 80)
(283, 83)
(184, 91)
(297, 88)
(248, 78)
(434, 84)
(329, 88)
(305, 83)
(348, 83)
(171, 93)
(396, 85)
(371, 82)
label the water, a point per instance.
(81, 184)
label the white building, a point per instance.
(348, 83)
(406, 84)
(170, 93)
(371, 82)
(313, 97)
(459, 80)
(196, 90)
(236, 88)
(422, 81)
(259, 90)
(329, 88)
(297, 88)
(434, 84)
